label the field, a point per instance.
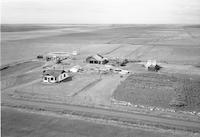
(15, 122)
(176, 86)
(22, 73)
(169, 43)
(160, 90)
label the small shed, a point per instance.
(97, 59)
(54, 76)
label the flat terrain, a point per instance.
(56, 91)
(175, 88)
(159, 90)
(169, 43)
(16, 122)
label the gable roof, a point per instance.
(54, 73)
(98, 57)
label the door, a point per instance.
(49, 79)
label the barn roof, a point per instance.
(54, 73)
(98, 57)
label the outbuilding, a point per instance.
(151, 65)
(97, 59)
(54, 76)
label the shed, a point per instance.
(97, 59)
(53, 76)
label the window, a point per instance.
(51, 78)
(45, 78)
(64, 75)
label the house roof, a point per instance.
(98, 57)
(54, 73)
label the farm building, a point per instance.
(53, 76)
(55, 56)
(151, 65)
(76, 69)
(97, 59)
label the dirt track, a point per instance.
(108, 114)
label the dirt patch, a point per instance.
(160, 90)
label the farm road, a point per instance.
(128, 117)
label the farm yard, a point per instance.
(175, 48)
(57, 91)
(127, 48)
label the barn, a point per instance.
(97, 59)
(54, 76)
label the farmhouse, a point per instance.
(53, 76)
(97, 59)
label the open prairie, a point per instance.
(169, 43)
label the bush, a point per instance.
(40, 57)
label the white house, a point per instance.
(53, 76)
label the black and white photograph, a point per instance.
(100, 68)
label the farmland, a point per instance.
(159, 90)
(174, 87)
